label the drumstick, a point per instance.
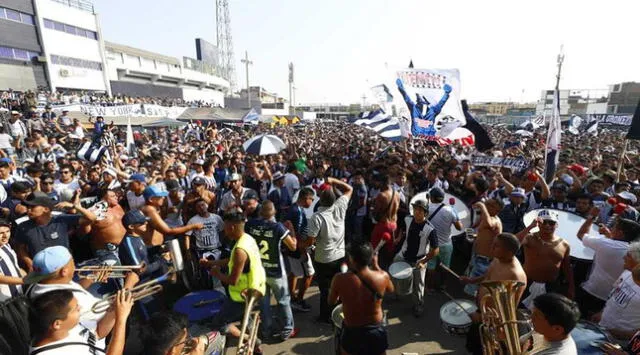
(207, 302)
(456, 303)
(380, 245)
(450, 271)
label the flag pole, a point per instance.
(556, 106)
(621, 163)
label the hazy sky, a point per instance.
(340, 47)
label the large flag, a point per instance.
(430, 98)
(251, 117)
(482, 140)
(382, 123)
(130, 143)
(634, 130)
(553, 140)
(592, 128)
(574, 124)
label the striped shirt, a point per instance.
(9, 267)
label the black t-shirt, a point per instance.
(414, 238)
(268, 236)
(55, 233)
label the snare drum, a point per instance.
(454, 316)
(588, 337)
(402, 277)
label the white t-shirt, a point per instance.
(608, 264)
(209, 236)
(60, 186)
(292, 183)
(327, 226)
(5, 141)
(543, 347)
(79, 334)
(135, 202)
(85, 299)
(622, 310)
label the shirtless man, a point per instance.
(361, 290)
(158, 228)
(385, 212)
(488, 228)
(504, 267)
(547, 259)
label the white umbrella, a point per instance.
(264, 144)
(524, 133)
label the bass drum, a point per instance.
(568, 226)
(588, 337)
(464, 214)
(308, 211)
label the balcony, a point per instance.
(77, 4)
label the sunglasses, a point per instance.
(47, 183)
(65, 172)
(549, 223)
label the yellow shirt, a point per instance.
(256, 277)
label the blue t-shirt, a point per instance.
(298, 219)
(55, 233)
(268, 235)
(132, 251)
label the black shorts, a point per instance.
(364, 340)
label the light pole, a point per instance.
(246, 63)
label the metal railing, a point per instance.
(78, 4)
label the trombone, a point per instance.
(139, 292)
(247, 342)
(98, 273)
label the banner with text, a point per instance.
(618, 120)
(513, 163)
(135, 110)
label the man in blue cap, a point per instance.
(53, 269)
(154, 200)
(134, 199)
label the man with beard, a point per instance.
(236, 193)
(546, 259)
(198, 192)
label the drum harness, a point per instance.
(376, 295)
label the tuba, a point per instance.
(499, 329)
(249, 335)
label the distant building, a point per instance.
(330, 110)
(501, 108)
(623, 98)
(574, 102)
(266, 102)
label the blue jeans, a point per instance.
(477, 267)
(280, 289)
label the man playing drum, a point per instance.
(547, 261)
(385, 211)
(421, 236)
(490, 226)
(361, 291)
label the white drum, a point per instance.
(308, 211)
(454, 316)
(568, 226)
(402, 277)
(464, 214)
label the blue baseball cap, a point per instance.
(138, 177)
(133, 218)
(154, 191)
(46, 262)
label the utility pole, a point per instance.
(364, 98)
(246, 63)
(291, 108)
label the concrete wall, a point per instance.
(207, 95)
(147, 89)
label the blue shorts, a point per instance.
(444, 256)
(478, 267)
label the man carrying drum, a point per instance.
(361, 290)
(421, 236)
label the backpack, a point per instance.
(15, 332)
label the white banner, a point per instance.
(513, 163)
(622, 120)
(136, 110)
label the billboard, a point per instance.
(207, 52)
(198, 65)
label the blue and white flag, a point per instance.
(553, 140)
(592, 128)
(251, 117)
(382, 123)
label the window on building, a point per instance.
(13, 15)
(21, 54)
(80, 32)
(76, 62)
(28, 19)
(2, 15)
(6, 52)
(70, 29)
(48, 24)
(18, 54)
(58, 26)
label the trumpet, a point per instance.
(139, 292)
(98, 273)
(247, 342)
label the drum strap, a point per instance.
(376, 295)
(435, 212)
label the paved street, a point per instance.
(407, 334)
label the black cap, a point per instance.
(560, 186)
(233, 217)
(436, 192)
(250, 195)
(133, 218)
(38, 198)
(172, 185)
(5, 222)
(422, 204)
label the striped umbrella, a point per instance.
(264, 144)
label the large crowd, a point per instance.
(339, 206)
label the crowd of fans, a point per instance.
(277, 223)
